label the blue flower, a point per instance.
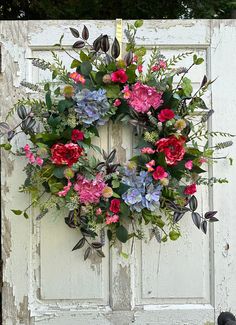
(91, 106)
(142, 193)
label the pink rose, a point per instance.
(165, 115)
(117, 102)
(119, 76)
(147, 150)
(112, 219)
(189, 164)
(144, 97)
(98, 211)
(173, 149)
(159, 173)
(65, 189)
(140, 68)
(39, 161)
(115, 206)
(190, 189)
(127, 92)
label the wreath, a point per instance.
(156, 187)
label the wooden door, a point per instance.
(176, 283)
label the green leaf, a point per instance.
(122, 234)
(58, 172)
(109, 234)
(64, 104)
(99, 76)
(54, 74)
(141, 51)
(187, 86)
(115, 183)
(74, 64)
(199, 61)
(85, 68)
(122, 188)
(116, 195)
(125, 255)
(48, 100)
(83, 56)
(124, 210)
(138, 23)
(55, 187)
(57, 91)
(47, 87)
(17, 212)
(112, 91)
(174, 235)
(160, 161)
(26, 215)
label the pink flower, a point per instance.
(162, 64)
(159, 173)
(89, 190)
(155, 68)
(117, 102)
(39, 161)
(78, 78)
(190, 189)
(140, 68)
(135, 58)
(144, 97)
(202, 160)
(119, 76)
(77, 135)
(127, 92)
(65, 189)
(165, 115)
(148, 150)
(26, 148)
(98, 211)
(115, 206)
(173, 149)
(150, 165)
(31, 158)
(112, 219)
(189, 164)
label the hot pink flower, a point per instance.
(140, 68)
(159, 173)
(189, 164)
(162, 64)
(173, 149)
(112, 219)
(115, 206)
(190, 189)
(78, 78)
(89, 191)
(65, 189)
(155, 68)
(26, 148)
(117, 102)
(31, 157)
(127, 92)
(165, 115)
(144, 97)
(77, 135)
(202, 160)
(119, 76)
(39, 161)
(150, 165)
(148, 150)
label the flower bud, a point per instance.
(106, 79)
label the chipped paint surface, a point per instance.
(44, 283)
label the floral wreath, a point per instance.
(156, 187)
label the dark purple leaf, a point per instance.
(78, 45)
(213, 219)
(85, 33)
(74, 32)
(193, 203)
(210, 214)
(97, 43)
(196, 219)
(128, 58)
(204, 81)
(204, 226)
(100, 253)
(97, 245)
(115, 49)
(105, 43)
(80, 244)
(177, 216)
(87, 253)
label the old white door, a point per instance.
(186, 282)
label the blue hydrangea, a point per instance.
(142, 192)
(92, 106)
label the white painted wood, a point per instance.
(173, 283)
